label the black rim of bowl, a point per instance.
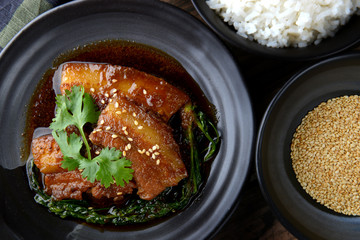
(347, 37)
(281, 215)
(43, 40)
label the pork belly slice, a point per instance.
(146, 141)
(71, 185)
(103, 81)
(47, 154)
(62, 184)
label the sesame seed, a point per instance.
(154, 148)
(147, 153)
(140, 127)
(124, 128)
(157, 146)
(153, 156)
(92, 90)
(106, 95)
(116, 104)
(124, 153)
(108, 128)
(144, 91)
(126, 133)
(156, 153)
(123, 110)
(126, 148)
(102, 101)
(129, 146)
(114, 80)
(118, 193)
(130, 139)
(110, 100)
(102, 122)
(114, 90)
(114, 136)
(150, 150)
(99, 130)
(324, 157)
(118, 112)
(157, 162)
(115, 94)
(134, 114)
(136, 123)
(140, 151)
(90, 208)
(97, 152)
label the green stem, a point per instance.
(87, 146)
(194, 161)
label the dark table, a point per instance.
(253, 219)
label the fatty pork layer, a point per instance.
(104, 81)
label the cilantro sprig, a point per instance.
(77, 108)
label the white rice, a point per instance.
(285, 23)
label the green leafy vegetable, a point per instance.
(78, 108)
(203, 124)
(107, 166)
(70, 147)
(75, 108)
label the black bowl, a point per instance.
(302, 215)
(346, 37)
(26, 58)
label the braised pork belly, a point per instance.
(71, 185)
(63, 184)
(146, 141)
(135, 110)
(47, 154)
(104, 81)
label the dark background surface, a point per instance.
(253, 219)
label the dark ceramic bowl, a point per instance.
(26, 58)
(346, 37)
(302, 215)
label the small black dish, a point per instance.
(299, 213)
(346, 37)
(31, 53)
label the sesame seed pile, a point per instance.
(325, 153)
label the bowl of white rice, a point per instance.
(291, 29)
